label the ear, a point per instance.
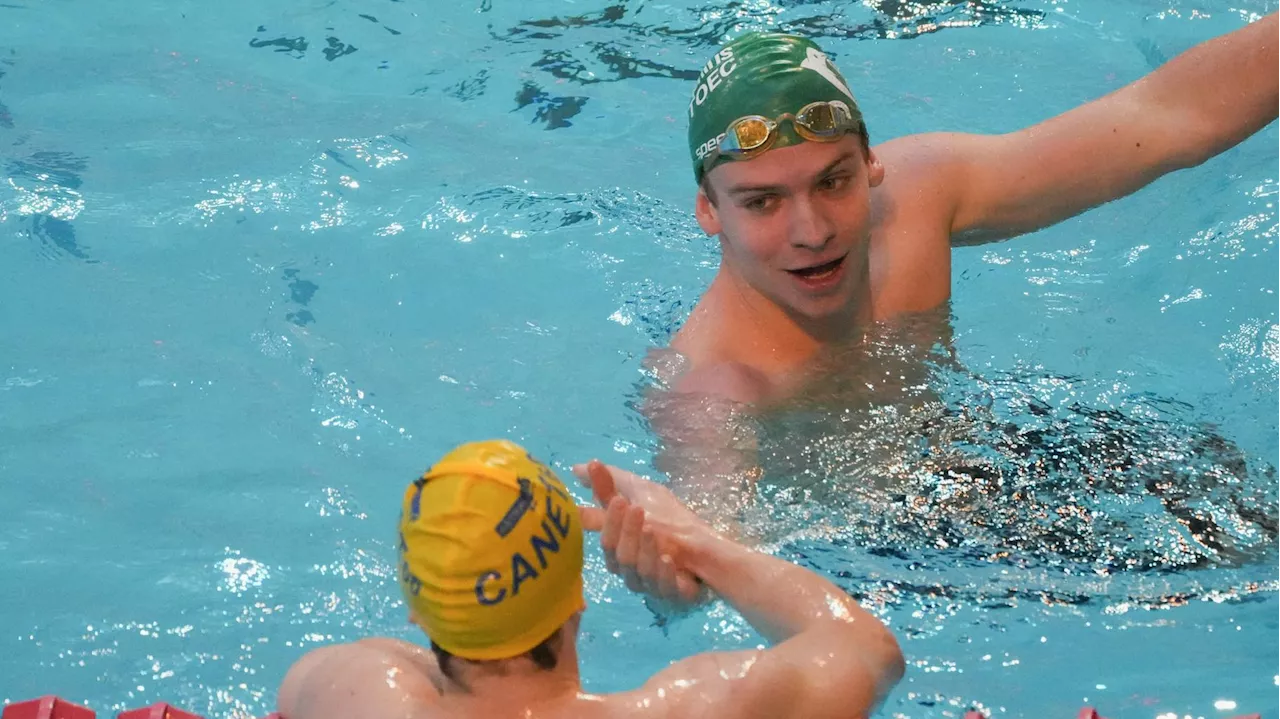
(875, 170)
(708, 217)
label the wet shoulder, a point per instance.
(682, 374)
(921, 181)
(710, 684)
(729, 380)
(912, 212)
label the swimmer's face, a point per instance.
(794, 222)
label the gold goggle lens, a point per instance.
(751, 132)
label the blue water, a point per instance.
(263, 261)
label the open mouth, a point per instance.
(819, 272)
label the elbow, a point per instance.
(1199, 139)
(886, 664)
(886, 652)
(893, 663)
(879, 648)
(899, 665)
(1193, 155)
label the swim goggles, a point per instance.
(746, 137)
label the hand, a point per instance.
(643, 530)
(606, 482)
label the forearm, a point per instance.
(779, 599)
(1219, 92)
(1202, 102)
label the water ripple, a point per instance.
(707, 26)
(334, 174)
(44, 198)
(1251, 354)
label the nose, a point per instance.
(811, 229)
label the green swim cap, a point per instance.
(761, 74)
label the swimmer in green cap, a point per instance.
(821, 232)
(824, 235)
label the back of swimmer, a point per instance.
(490, 566)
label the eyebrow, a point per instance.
(745, 189)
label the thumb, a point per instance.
(602, 484)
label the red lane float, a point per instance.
(51, 707)
(158, 711)
(1091, 713)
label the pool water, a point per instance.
(263, 261)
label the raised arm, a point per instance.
(1202, 102)
(830, 657)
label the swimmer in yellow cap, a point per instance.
(490, 564)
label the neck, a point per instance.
(839, 326)
(790, 334)
(515, 682)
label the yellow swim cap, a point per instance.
(490, 551)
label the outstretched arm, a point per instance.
(830, 657)
(1203, 102)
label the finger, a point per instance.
(687, 587)
(602, 484)
(629, 548)
(620, 480)
(615, 517)
(667, 585)
(684, 586)
(678, 585)
(593, 518)
(648, 567)
(582, 471)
